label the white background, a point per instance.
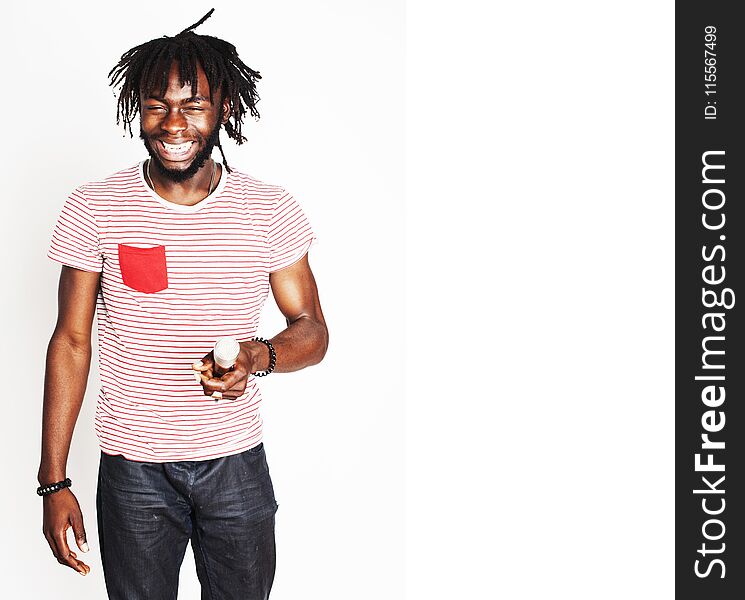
(521, 443)
(539, 429)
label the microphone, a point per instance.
(225, 353)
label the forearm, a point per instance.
(302, 344)
(67, 368)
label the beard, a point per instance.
(181, 175)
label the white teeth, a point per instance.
(179, 149)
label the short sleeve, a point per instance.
(290, 233)
(75, 240)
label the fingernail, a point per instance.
(84, 547)
(197, 365)
(217, 395)
(197, 378)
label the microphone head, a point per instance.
(226, 352)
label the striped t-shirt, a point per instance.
(174, 279)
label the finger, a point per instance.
(213, 384)
(72, 557)
(231, 385)
(207, 362)
(85, 567)
(78, 529)
(64, 555)
(201, 365)
(227, 381)
(200, 376)
(201, 371)
(236, 391)
(203, 376)
(81, 567)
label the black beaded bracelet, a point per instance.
(45, 490)
(272, 358)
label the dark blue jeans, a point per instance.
(147, 512)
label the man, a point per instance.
(175, 253)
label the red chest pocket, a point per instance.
(143, 269)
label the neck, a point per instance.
(187, 192)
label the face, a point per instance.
(180, 129)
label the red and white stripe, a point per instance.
(219, 254)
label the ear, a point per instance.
(226, 110)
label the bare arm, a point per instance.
(306, 338)
(303, 343)
(67, 369)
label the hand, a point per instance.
(233, 383)
(62, 511)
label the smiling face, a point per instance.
(180, 129)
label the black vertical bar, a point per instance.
(709, 270)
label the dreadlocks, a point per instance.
(145, 67)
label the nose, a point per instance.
(174, 122)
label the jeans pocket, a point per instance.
(125, 476)
(143, 269)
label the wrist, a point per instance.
(272, 358)
(259, 355)
(47, 476)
